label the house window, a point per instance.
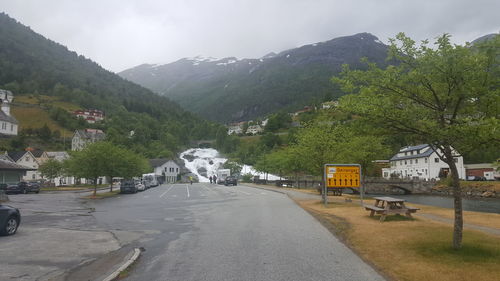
(416, 161)
(436, 160)
(400, 162)
(455, 159)
(177, 170)
(426, 160)
(27, 159)
(411, 161)
(426, 171)
(11, 127)
(405, 162)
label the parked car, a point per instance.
(128, 186)
(147, 184)
(230, 181)
(139, 185)
(20, 187)
(33, 187)
(10, 218)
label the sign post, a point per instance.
(340, 176)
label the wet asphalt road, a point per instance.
(213, 232)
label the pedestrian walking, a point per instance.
(190, 179)
(210, 178)
(215, 179)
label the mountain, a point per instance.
(230, 89)
(32, 65)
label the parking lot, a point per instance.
(57, 233)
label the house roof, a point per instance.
(7, 118)
(7, 165)
(91, 134)
(37, 152)
(160, 161)
(16, 155)
(419, 148)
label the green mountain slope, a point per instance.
(32, 64)
(232, 90)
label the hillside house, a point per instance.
(28, 160)
(165, 168)
(254, 129)
(235, 129)
(8, 124)
(81, 138)
(90, 115)
(421, 162)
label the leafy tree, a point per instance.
(105, 159)
(51, 169)
(447, 96)
(233, 166)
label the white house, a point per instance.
(8, 124)
(235, 129)
(422, 162)
(26, 159)
(166, 168)
(254, 129)
(83, 137)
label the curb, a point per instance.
(112, 276)
(264, 188)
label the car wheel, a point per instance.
(10, 226)
(37, 191)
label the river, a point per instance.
(487, 205)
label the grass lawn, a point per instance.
(35, 117)
(103, 195)
(413, 249)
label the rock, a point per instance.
(488, 194)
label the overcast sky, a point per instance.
(119, 34)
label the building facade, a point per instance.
(26, 159)
(166, 168)
(90, 115)
(81, 138)
(421, 162)
(8, 124)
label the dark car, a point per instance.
(128, 186)
(230, 181)
(33, 187)
(10, 218)
(20, 187)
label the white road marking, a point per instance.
(208, 188)
(187, 188)
(166, 191)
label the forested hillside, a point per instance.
(30, 64)
(234, 90)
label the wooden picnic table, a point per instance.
(389, 205)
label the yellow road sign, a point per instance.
(343, 175)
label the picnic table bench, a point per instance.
(388, 205)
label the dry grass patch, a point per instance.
(34, 117)
(412, 249)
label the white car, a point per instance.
(140, 186)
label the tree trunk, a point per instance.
(95, 186)
(110, 183)
(457, 199)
